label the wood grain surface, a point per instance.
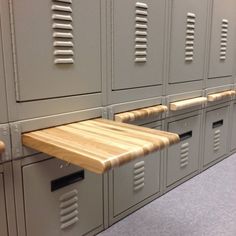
(2, 147)
(184, 104)
(98, 145)
(139, 114)
(220, 96)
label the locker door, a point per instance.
(188, 36)
(135, 181)
(61, 200)
(57, 44)
(3, 218)
(183, 158)
(3, 110)
(216, 134)
(138, 42)
(222, 38)
(233, 130)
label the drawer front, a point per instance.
(222, 39)
(188, 38)
(61, 199)
(233, 130)
(57, 48)
(138, 42)
(135, 181)
(183, 158)
(3, 218)
(216, 134)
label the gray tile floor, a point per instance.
(203, 206)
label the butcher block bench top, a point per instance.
(139, 114)
(220, 96)
(98, 145)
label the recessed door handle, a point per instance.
(186, 135)
(67, 180)
(217, 124)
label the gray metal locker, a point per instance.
(222, 44)
(216, 134)
(3, 104)
(3, 214)
(57, 48)
(183, 158)
(233, 128)
(188, 39)
(61, 199)
(138, 42)
(134, 183)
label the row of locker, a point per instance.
(166, 107)
(55, 198)
(64, 56)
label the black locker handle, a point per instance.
(186, 135)
(67, 180)
(217, 124)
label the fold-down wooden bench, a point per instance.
(143, 113)
(98, 145)
(2, 147)
(220, 96)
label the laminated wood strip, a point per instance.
(2, 147)
(139, 114)
(98, 145)
(180, 105)
(220, 96)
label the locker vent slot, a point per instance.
(139, 172)
(190, 32)
(69, 209)
(216, 142)
(224, 39)
(141, 32)
(184, 155)
(62, 32)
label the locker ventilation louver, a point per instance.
(139, 171)
(216, 140)
(69, 209)
(224, 38)
(184, 155)
(62, 31)
(190, 32)
(141, 32)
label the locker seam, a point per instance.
(14, 54)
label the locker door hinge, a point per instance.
(110, 112)
(17, 151)
(104, 113)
